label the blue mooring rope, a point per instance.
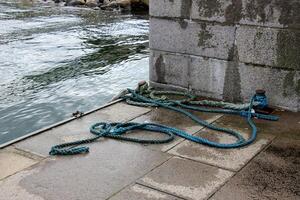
(118, 130)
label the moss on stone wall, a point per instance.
(288, 49)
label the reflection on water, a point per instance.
(55, 60)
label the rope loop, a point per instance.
(144, 96)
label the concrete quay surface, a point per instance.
(115, 170)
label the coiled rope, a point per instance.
(146, 97)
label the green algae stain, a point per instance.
(288, 49)
(259, 34)
(209, 8)
(289, 13)
(298, 87)
(288, 84)
(160, 69)
(204, 36)
(186, 7)
(266, 10)
(256, 8)
(233, 12)
(232, 80)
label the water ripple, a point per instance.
(56, 60)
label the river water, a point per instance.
(55, 60)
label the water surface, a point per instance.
(55, 60)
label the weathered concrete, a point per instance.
(186, 179)
(196, 38)
(163, 8)
(174, 65)
(172, 119)
(287, 127)
(271, 47)
(271, 13)
(229, 80)
(282, 86)
(79, 128)
(12, 161)
(207, 81)
(109, 167)
(139, 192)
(227, 49)
(274, 174)
(123, 170)
(232, 159)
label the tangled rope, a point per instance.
(145, 96)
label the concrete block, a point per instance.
(172, 119)
(190, 37)
(108, 168)
(231, 159)
(272, 47)
(79, 128)
(138, 192)
(208, 10)
(169, 68)
(282, 86)
(12, 162)
(186, 179)
(271, 13)
(166, 8)
(207, 76)
(234, 81)
(273, 174)
(214, 10)
(203, 75)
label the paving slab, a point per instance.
(138, 192)
(232, 159)
(109, 167)
(13, 161)
(186, 178)
(79, 128)
(173, 119)
(273, 174)
(288, 125)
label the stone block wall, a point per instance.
(226, 49)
